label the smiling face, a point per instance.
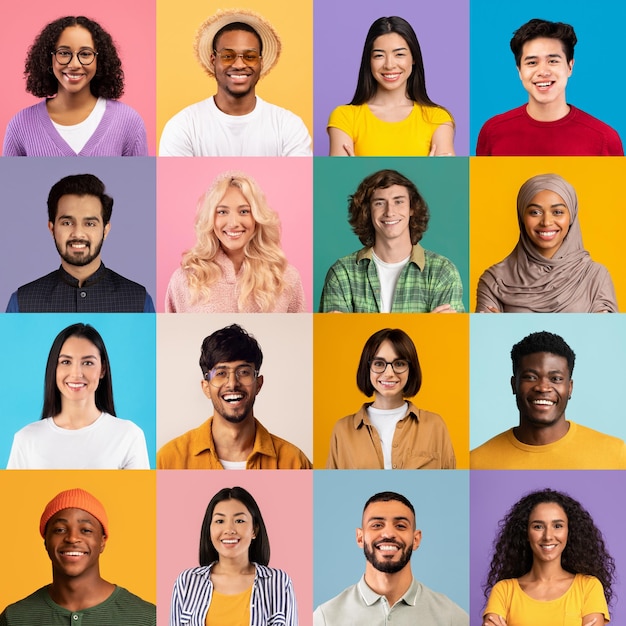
(74, 77)
(74, 541)
(544, 71)
(546, 220)
(391, 212)
(234, 225)
(547, 531)
(79, 370)
(237, 79)
(391, 62)
(388, 536)
(542, 387)
(232, 529)
(79, 231)
(388, 386)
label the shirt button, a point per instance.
(395, 466)
(74, 617)
(83, 294)
(395, 445)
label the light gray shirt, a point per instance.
(359, 605)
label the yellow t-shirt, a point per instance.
(229, 610)
(584, 596)
(411, 136)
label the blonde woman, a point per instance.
(237, 264)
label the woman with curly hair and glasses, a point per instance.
(237, 264)
(550, 566)
(391, 113)
(74, 65)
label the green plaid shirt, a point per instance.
(427, 280)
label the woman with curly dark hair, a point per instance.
(550, 566)
(73, 64)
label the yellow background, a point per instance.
(129, 498)
(442, 343)
(599, 184)
(181, 80)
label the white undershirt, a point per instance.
(385, 421)
(77, 135)
(388, 274)
(233, 465)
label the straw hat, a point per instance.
(203, 46)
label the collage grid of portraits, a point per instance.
(310, 359)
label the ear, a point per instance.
(359, 537)
(571, 67)
(259, 384)
(571, 388)
(206, 388)
(417, 539)
(513, 385)
(103, 543)
(212, 61)
(103, 372)
(51, 228)
(107, 228)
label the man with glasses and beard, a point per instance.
(79, 214)
(233, 438)
(387, 593)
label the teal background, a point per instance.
(441, 502)
(599, 342)
(443, 182)
(595, 86)
(26, 339)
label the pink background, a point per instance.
(286, 183)
(285, 499)
(132, 26)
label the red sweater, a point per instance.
(515, 133)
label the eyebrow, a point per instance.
(540, 206)
(86, 356)
(73, 217)
(224, 514)
(400, 518)
(535, 521)
(374, 198)
(80, 521)
(227, 206)
(554, 55)
(394, 50)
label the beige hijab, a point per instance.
(569, 281)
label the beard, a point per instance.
(79, 259)
(388, 567)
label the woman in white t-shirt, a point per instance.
(390, 432)
(78, 428)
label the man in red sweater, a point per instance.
(547, 125)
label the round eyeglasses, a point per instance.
(399, 366)
(228, 56)
(85, 56)
(218, 376)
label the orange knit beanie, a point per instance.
(74, 499)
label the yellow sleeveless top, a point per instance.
(229, 610)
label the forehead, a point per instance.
(233, 196)
(77, 36)
(388, 511)
(230, 507)
(73, 515)
(231, 364)
(389, 41)
(386, 349)
(79, 345)
(542, 46)
(395, 191)
(547, 197)
(544, 361)
(546, 511)
(79, 206)
(237, 40)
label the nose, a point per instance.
(238, 62)
(543, 384)
(77, 369)
(74, 63)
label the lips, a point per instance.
(232, 398)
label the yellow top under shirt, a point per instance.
(229, 610)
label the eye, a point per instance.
(66, 223)
(251, 56)
(221, 212)
(88, 362)
(244, 212)
(90, 224)
(86, 531)
(64, 362)
(227, 55)
(401, 363)
(378, 363)
(64, 54)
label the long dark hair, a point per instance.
(584, 553)
(51, 393)
(259, 551)
(416, 85)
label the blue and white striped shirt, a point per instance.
(273, 602)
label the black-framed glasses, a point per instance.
(228, 56)
(245, 374)
(399, 366)
(85, 56)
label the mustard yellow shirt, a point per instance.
(229, 610)
(196, 450)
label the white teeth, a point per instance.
(72, 553)
(543, 84)
(75, 385)
(233, 233)
(229, 541)
(391, 223)
(232, 397)
(387, 548)
(544, 402)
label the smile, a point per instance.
(230, 541)
(234, 234)
(391, 76)
(547, 234)
(544, 402)
(76, 385)
(232, 397)
(390, 222)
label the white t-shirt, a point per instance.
(388, 274)
(202, 129)
(385, 421)
(77, 135)
(233, 465)
(108, 443)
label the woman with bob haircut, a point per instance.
(390, 113)
(549, 566)
(78, 428)
(390, 433)
(237, 264)
(549, 270)
(73, 64)
(233, 584)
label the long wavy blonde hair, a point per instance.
(264, 261)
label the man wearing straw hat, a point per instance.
(236, 47)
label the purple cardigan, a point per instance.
(121, 132)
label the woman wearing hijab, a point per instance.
(549, 270)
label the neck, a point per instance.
(533, 436)
(75, 415)
(547, 572)
(386, 402)
(393, 251)
(65, 101)
(81, 272)
(81, 592)
(549, 112)
(236, 257)
(395, 98)
(233, 442)
(233, 105)
(392, 586)
(239, 566)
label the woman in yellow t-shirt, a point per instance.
(550, 566)
(391, 113)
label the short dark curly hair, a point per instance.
(536, 28)
(542, 341)
(41, 82)
(360, 214)
(585, 551)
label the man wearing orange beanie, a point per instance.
(75, 529)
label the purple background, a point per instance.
(442, 29)
(27, 249)
(493, 493)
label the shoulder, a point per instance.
(350, 422)
(120, 109)
(34, 428)
(134, 602)
(345, 112)
(28, 114)
(484, 450)
(277, 112)
(197, 109)
(273, 575)
(27, 605)
(434, 114)
(291, 275)
(288, 455)
(427, 416)
(437, 261)
(595, 437)
(335, 607)
(119, 280)
(193, 574)
(580, 117)
(119, 425)
(346, 262)
(512, 116)
(444, 605)
(48, 279)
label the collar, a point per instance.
(361, 418)
(262, 571)
(70, 280)
(418, 255)
(371, 597)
